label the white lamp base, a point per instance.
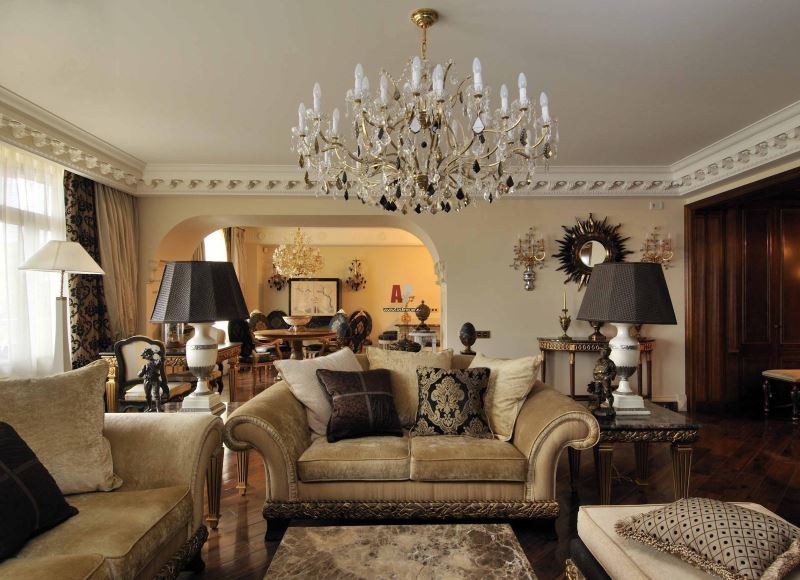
(201, 357)
(625, 355)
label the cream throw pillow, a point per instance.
(403, 371)
(301, 375)
(61, 419)
(510, 381)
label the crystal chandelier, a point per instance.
(297, 260)
(426, 141)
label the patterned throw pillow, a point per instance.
(30, 501)
(362, 404)
(451, 402)
(729, 541)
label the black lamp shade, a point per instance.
(199, 292)
(628, 292)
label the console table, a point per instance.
(573, 345)
(176, 358)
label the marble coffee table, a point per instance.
(462, 551)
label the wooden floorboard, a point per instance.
(736, 459)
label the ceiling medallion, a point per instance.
(297, 260)
(426, 141)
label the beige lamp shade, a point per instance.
(61, 256)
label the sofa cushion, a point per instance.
(451, 402)
(30, 501)
(366, 458)
(455, 458)
(77, 567)
(61, 419)
(718, 537)
(362, 404)
(625, 559)
(403, 367)
(510, 381)
(128, 528)
(301, 375)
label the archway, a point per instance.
(181, 240)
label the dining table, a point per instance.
(295, 338)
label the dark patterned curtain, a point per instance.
(90, 332)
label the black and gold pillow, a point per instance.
(363, 404)
(451, 402)
(724, 539)
(30, 500)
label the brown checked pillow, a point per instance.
(363, 404)
(724, 539)
(451, 402)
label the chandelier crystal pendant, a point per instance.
(426, 141)
(297, 260)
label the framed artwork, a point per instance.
(314, 296)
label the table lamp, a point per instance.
(64, 257)
(200, 293)
(625, 294)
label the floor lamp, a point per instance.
(63, 257)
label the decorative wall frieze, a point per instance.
(38, 131)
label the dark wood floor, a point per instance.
(745, 459)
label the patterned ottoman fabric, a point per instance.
(720, 538)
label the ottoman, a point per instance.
(623, 559)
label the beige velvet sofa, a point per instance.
(150, 527)
(402, 477)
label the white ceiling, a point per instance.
(188, 81)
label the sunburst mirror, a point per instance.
(587, 243)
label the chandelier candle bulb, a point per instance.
(544, 104)
(504, 99)
(438, 81)
(522, 82)
(384, 90)
(365, 86)
(335, 123)
(301, 119)
(477, 77)
(359, 80)
(317, 99)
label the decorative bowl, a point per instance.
(296, 322)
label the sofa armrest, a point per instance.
(153, 450)
(547, 423)
(275, 424)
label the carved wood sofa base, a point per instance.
(188, 553)
(366, 510)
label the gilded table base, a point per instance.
(366, 510)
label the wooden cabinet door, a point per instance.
(786, 315)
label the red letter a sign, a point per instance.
(397, 295)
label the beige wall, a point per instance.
(476, 249)
(382, 266)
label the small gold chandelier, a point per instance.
(424, 141)
(297, 260)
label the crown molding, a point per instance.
(775, 138)
(34, 129)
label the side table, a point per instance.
(661, 426)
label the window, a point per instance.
(31, 213)
(214, 245)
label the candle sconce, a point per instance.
(529, 253)
(657, 249)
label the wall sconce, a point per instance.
(356, 280)
(529, 253)
(657, 249)
(276, 281)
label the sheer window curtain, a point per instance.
(234, 244)
(117, 237)
(31, 213)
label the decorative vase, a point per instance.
(625, 355)
(423, 311)
(468, 335)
